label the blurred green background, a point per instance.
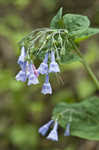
(24, 109)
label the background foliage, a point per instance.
(23, 110)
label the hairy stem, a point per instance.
(87, 67)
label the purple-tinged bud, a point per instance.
(53, 135)
(21, 76)
(35, 70)
(46, 89)
(67, 131)
(43, 68)
(44, 129)
(53, 65)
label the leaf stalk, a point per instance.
(86, 65)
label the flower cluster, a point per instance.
(29, 71)
(53, 135)
(50, 44)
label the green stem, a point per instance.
(87, 67)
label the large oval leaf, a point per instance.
(85, 118)
(75, 24)
(85, 35)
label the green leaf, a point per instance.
(57, 21)
(85, 35)
(75, 24)
(85, 118)
(69, 54)
(69, 57)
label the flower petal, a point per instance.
(53, 135)
(44, 129)
(21, 76)
(32, 79)
(54, 67)
(67, 131)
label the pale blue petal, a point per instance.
(46, 89)
(54, 67)
(32, 79)
(46, 58)
(53, 135)
(67, 131)
(43, 68)
(21, 76)
(44, 129)
(21, 59)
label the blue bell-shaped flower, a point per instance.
(53, 135)
(21, 60)
(46, 89)
(32, 78)
(43, 68)
(53, 65)
(21, 76)
(44, 129)
(67, 131)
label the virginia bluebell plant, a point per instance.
(51, 46)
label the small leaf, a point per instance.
(75, 23)
(85, 35)
(85, 118)
(57, 21)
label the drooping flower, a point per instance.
(53, 65)
(43, 68)
(53, 135)
(27, 72)
(32, 78)
(46, 89)
(21, 60)
(21, 76)
(67, 131)
(44, 129)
